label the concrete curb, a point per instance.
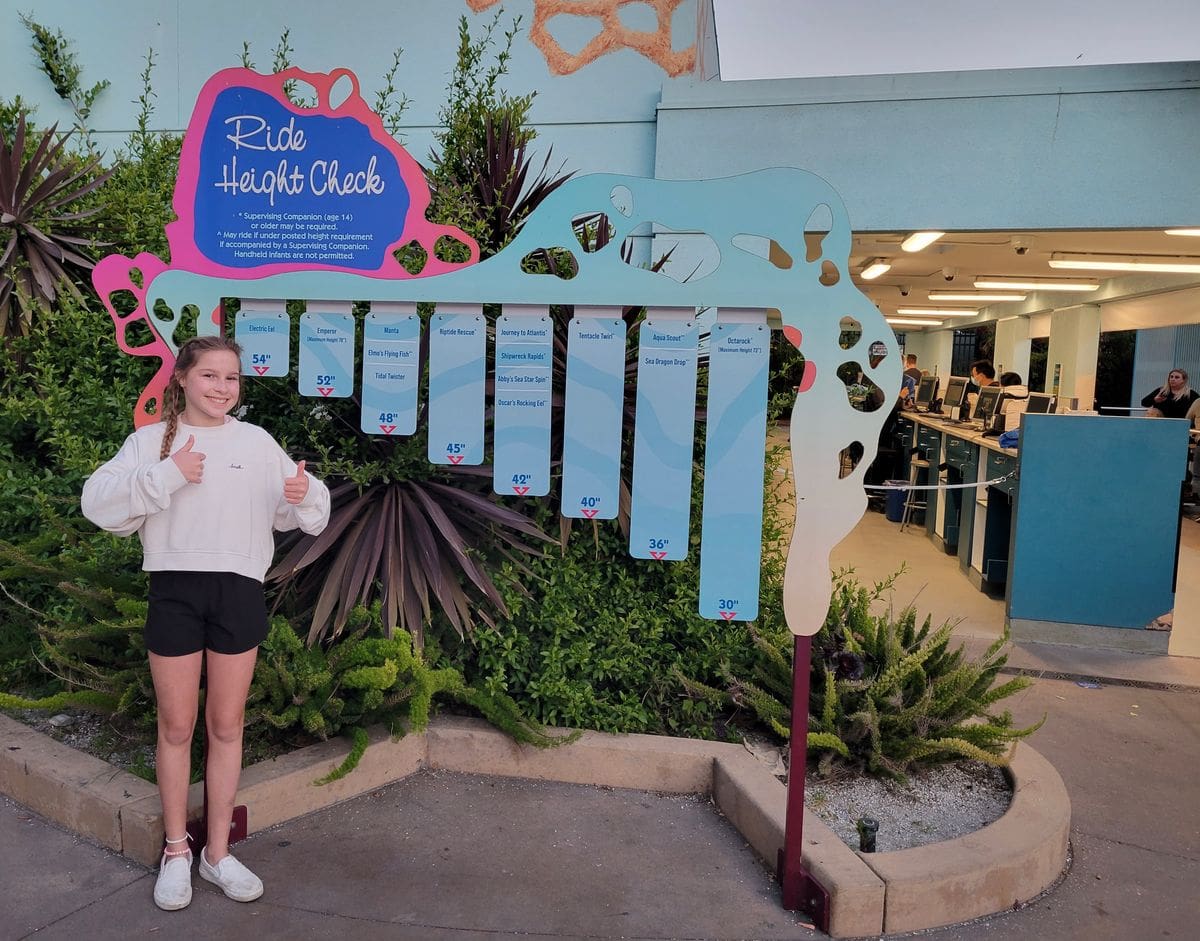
(1009, 861)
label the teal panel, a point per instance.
(524, 360)
(664, 426)
(593, 416)
(457, 370)
(390, 373)
(326, 355)
(265, 339)
(1107, 555)
(731, 533)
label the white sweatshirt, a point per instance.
(222, 524)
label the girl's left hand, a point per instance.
(296, 488)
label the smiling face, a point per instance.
(210, 387)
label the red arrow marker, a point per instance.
(520, 491)
(388, 429)
(728, 615)
(658, 555)
(455, 458)
(261, 370)
(590, 513)
(325, 390)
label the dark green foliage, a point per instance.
(58, 62)
(787, 369)
(366, 679)
(43, 224)
(136, 204)
(887, 694)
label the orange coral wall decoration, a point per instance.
(613, 35)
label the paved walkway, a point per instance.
(444, 856)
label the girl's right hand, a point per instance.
(189, 462)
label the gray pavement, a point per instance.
(441, 856)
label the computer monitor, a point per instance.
(956, 390)
(1040, 403)
(985, 405)
(927, 390)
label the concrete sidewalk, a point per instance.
(443, 855)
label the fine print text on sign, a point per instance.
(524, 354)
(664, 426)
(327, 355)
(312, 189)
(593, 415)
(390, 373)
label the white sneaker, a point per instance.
(235, 880)
(173, 888)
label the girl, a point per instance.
(1172, 400)
(203, 491)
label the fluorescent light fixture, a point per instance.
(938, 311)
(1195, 233)
(1188, 264)
(920, 240)
(976, 296)
(901, 322)
(1002, 283)
(874, 268)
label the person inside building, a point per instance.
(910, 368)
(983, 373)
(1173, 398)
(1017, 393)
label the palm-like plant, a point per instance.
(41, 223)
(416, 545)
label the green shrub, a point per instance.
(887, 695)
(365, 679)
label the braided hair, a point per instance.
(172, 398)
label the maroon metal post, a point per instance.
(801, 892)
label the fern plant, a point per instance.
(366, 679)
(888, 694)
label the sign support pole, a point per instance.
(801, 892)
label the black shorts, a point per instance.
(192, 611)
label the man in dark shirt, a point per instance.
(983, 373)
(911, 370)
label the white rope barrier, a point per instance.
(968, 486)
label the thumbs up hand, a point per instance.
(296, 488)
(189, 462)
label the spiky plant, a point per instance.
(416, 545)
(887, 695)
(42, 231)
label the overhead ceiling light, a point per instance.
(939, 311)
(1166, 263)
(901, 322)
(1000, 282)
(976, 296)
(874, 268)
(920, 240)
(1195, 233)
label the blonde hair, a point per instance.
(172, 397)
(1184, 393)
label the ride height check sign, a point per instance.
(315, 190)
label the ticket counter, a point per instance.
(1078, 529)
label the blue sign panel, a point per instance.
(390, 373)
(327, 355)
(265, 339)
(595, 401)
(310, 189)
(524, 361)
(457, 365)
(731, 534)
(663, 435)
